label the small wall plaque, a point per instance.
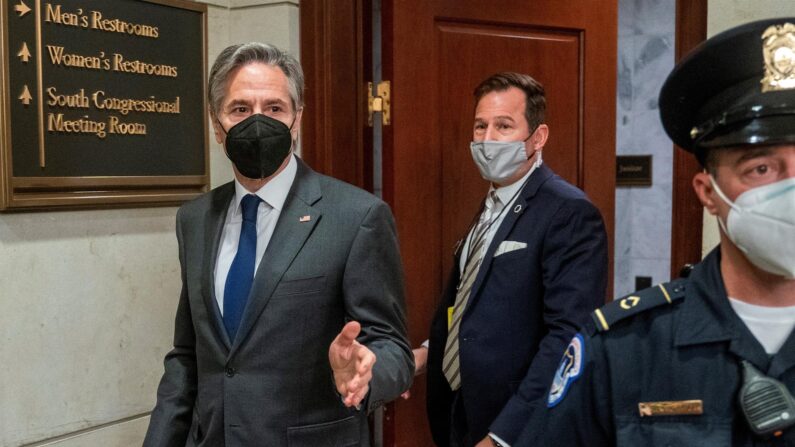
(633, 170)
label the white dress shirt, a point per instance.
(273, 196)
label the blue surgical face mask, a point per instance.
(761, 223)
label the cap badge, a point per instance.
(778, 47)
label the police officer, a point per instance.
(707, 360)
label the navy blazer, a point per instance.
(523, 310)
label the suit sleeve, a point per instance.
(171, 418)
(374, 296)
(574, 270)
(583, 416)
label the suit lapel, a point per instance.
(216, 216)
(512, 215)
(292, 230)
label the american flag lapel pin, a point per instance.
(306, 218)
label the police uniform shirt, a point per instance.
(662, 367)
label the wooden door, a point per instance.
(434, 53)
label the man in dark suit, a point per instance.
(528, 272)
(273, 266)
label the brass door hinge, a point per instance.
(379, 103)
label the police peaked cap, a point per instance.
(736, 88)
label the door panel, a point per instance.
(435, 52)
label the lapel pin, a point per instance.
(517, 208)
(306, 218)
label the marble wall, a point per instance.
(643, 214)
(646, 56)
(87, 298)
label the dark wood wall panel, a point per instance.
(687, 212)
(336, 54)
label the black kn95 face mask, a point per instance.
(258, 145)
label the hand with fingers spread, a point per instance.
(352, 365)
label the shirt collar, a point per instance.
(507, 192)
(274, 193)
(706, 315)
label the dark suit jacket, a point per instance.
(523, 310)
(273, 386)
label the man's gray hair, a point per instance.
(236, 56)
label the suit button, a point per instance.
(230, 372)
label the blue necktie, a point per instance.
(241, 273)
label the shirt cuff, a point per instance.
(426, 344)
(498, 441)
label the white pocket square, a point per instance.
(509, 246)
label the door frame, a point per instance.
(336, 55)
(686, 211)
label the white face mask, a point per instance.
(761, 223)
(498, 161)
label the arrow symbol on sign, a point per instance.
(25, 96)
(21, 8)
(24, 53)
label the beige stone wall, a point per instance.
(87, 298)
(722, 15)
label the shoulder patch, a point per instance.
(641, 301)
(570, 369)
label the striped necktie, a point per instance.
(450, 363)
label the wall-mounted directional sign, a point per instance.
(103, 103)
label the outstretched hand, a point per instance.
(352, 365)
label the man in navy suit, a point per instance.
(527, 274)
